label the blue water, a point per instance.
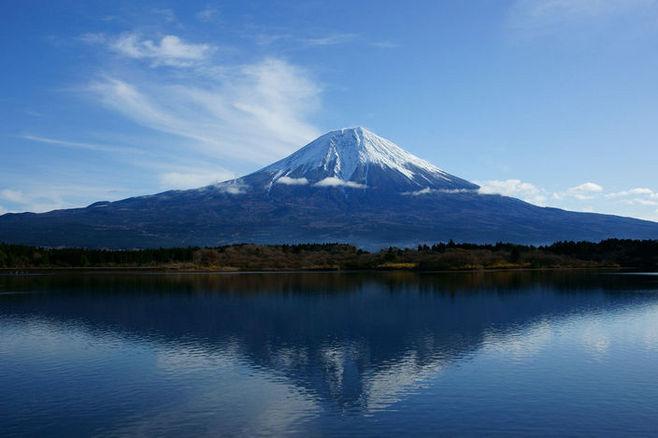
(329, 354)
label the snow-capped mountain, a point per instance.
(359, 159)
(347, 186)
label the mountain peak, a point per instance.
(356, 158)
(358, 130)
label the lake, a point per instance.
(313, 354)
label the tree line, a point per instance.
(640, 254)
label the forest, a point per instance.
(612, 253)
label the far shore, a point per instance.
(166, 270)
(613, 254)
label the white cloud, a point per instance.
(641, 196)
(180, 180)
(583, 191)
(127, 99)
(428, 191)
(587, 187)
(203, 122)
(337, 182)
(37, 202)
(253, 113)
(638, 202)
(234, 190)
(292, 181)
(3, 210)
(638, 191)
(40, 198)
(169, 51)
(425, 191)
(516, 188)
(232, 187)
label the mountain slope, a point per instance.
(348, 186)
(357, 158)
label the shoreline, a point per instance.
(162, 270)
(441, 257)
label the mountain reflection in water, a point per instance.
(347, 345)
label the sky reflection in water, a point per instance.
(378, 354)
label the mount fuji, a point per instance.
(357, 158)
(348, 185)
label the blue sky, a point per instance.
(552, 101)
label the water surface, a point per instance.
(329, 354)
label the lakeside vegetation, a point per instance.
(640, 254)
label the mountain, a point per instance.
(348, 186)
(357, 158)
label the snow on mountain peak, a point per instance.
(340, 152)
(359, 158)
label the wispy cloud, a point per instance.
(15, 196)
(179, 180)
(516, 188)
(570, 9)
(206, 120)
(425, 191)
(429, 191)
(330, 40)
(536, 195)
(540, 17)
(207, 14)
(78, 145)
(176, 175)
(637, 191)
(170, 50)
(636, 196)
(42, 197)
(253, 113)
(293, 41)
(234, 187)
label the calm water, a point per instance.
(329, 354)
